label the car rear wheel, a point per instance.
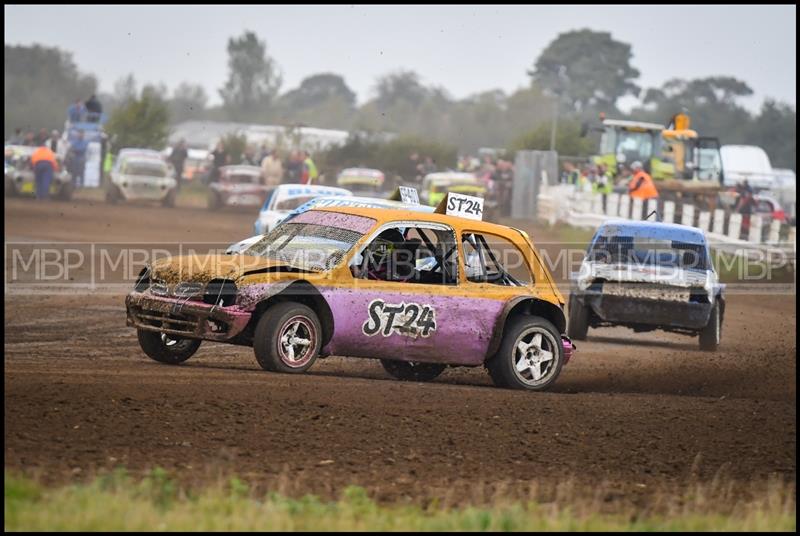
(530, 356)
(167, 349)
(11, 191)
(113, 195)
(169, 200)
(411, 371)
(711, 334)
(578, 320)
(288, 338)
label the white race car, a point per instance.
(283, 199)
(141, 175)
(647, 276)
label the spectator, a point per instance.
(219, 158)
(571, 173)
(272, 169)
(178, 158)
(108, 165)
(262, 154)
(429, 166)
(503, 178)
(583, 184)
(55, 138)
(414, 165)
(488, 167)
(42, 137)
(93, 109)
(294, 168)
(17, 138)
(745, 204)
(30, 139)
(77, 158)
(76, 111)
(641, 186)
(604, 184)
(249, 157)
(310, 173)
(44, 167)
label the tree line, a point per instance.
(580, 74)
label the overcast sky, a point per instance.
(465, 49)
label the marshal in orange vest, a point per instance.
(641, 186)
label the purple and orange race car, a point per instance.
(419, 291)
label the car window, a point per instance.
(144, 168)
(314, 241)
(410, 253)
(242, 178)
(642, 251)
(492, 259)
(764, 206)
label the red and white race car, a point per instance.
(237, 186)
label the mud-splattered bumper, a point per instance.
(569, 348)
(668, 311)
(185, 318)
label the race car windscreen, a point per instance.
(145, 168)
(645, 251)
(241, 178)
(315, 241)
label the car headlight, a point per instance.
(220, 292)
(143, 281)
(584, 278)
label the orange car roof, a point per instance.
(383, 215)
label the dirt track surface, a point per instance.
(633, 413)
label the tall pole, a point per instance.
(554, 125)
(563, 80)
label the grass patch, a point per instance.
(116, 501)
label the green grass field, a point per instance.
(156, 502)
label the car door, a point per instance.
(431, 317)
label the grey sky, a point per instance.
(465, 49)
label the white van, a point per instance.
(746, 162)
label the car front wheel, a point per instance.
(711, 334)
(530, 356)
(167, 349)
(288, 338)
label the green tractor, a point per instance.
(623, 142)
(686, 167)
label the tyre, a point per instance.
(113, 195)
(214, 201)
(169, 200)
(166, 348)
(412, 372)
(10, 191)
(578, 325)
(288, 338)
(65, 193)
(530, 356)
(711, 334)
